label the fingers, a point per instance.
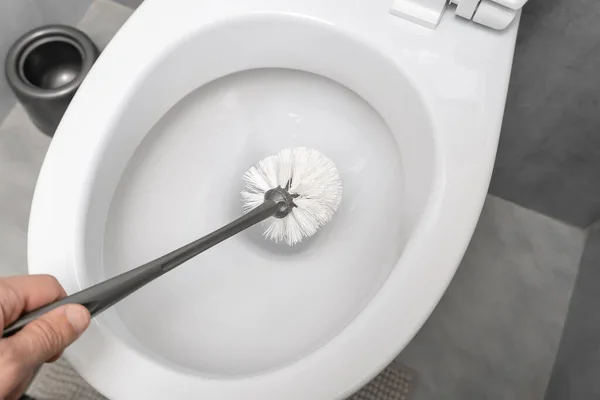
(54, 357)
(21, 387)
(19, 294)
(39, 341)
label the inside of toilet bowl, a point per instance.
(249, 305)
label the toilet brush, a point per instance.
(294, 193)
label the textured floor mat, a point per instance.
(394, 383)
(58, 381)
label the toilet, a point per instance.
(406, 97)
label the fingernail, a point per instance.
(78, 317)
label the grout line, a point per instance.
(114, 3)
(592, 226)
(9, 110)
(579, 228)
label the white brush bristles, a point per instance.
(314, 183)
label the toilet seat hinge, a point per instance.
(495, 14)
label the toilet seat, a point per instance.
(451, 85)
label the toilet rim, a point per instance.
(310, 376)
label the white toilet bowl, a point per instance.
(150, 154)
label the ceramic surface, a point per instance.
(240, 306)
(410, 116)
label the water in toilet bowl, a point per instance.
(249, 286)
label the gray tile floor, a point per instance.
(577, 369)
(102, 20)
(495, 333)
(22, 147)
(22, 150)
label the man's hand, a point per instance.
(40, 341)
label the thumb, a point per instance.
(48, 335)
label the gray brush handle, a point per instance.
(99, 297)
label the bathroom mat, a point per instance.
(396, 382)
(58, 381)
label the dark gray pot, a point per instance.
(45, 67)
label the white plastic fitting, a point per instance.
(495, 14)
(423, 12)
(465, 8)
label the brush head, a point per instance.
(311, 181)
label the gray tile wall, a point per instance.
(19, 16)
(549, 153)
